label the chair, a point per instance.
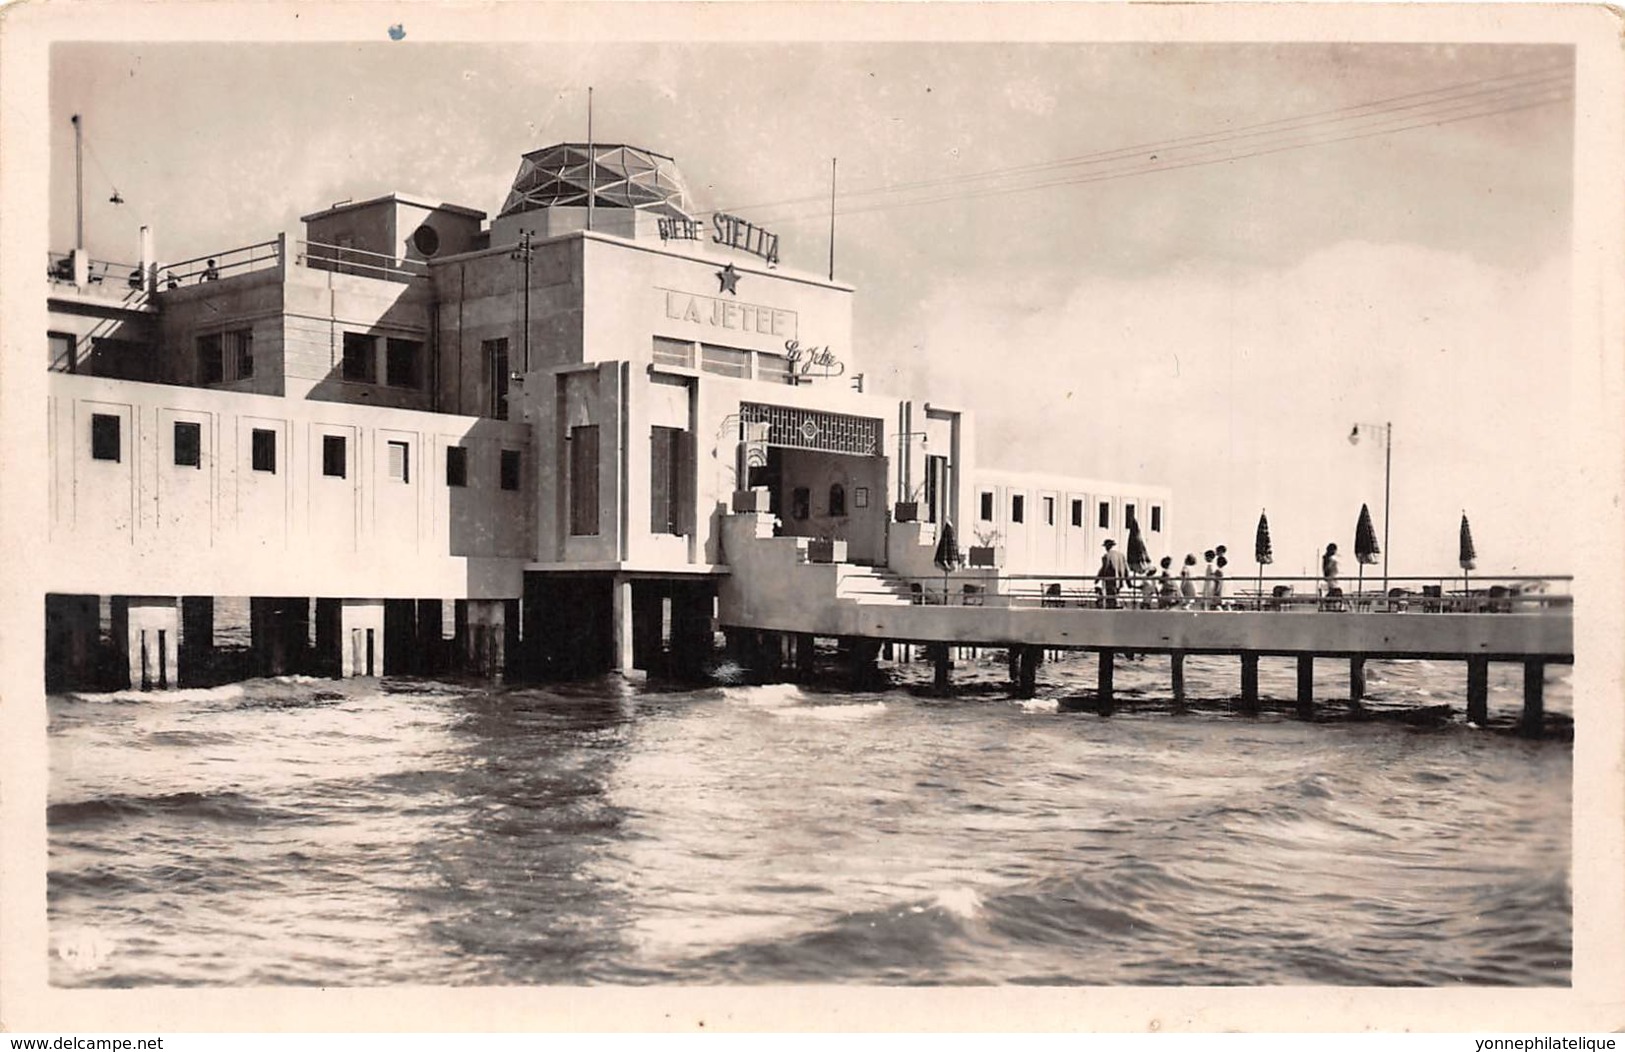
(1333, 600)
(1052, 596)
(916, 594)
(971, 595)
(1398, 600)
(1432, 598)
(1278, 593)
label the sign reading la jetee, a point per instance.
(803, 360)
(732, 315)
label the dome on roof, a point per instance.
(620, 176)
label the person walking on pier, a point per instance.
(1207, 579)
(1165, 584)
(1113, 569)
(1187, 586)
(1328, 571)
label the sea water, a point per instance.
(301, 831)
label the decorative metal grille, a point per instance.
(811, 429)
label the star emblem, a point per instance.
(727, 278)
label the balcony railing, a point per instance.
(342, 259)
(1286, 595)
(230, 262)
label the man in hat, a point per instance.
(1113, 569)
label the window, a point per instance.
(584, 480)
(496, 376)
(360, 350)
(837, 500)
(335, 458)
(1049, 511)
(1077, 513)
(800, 502)
(188, 444)
(400, 461)
(264, 450)
(673, 352)
(225, 356)
(401, 362)
(510, 469)
(64, 351)
(1128, 514)
(457, 466)
(239, 350)
(725, 361)
(104, 436)
(774, 368)
(665, 479)
(426, 239)
(1156, 518)
(986, 510)
(211, 364)
(1105, 521)
(1018, 508)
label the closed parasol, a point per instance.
(1469, 555)
(1262, 552)
(1366, 549)
(1139, 560)
(947, 554)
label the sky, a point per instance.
(1197, 265)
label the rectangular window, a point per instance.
(64, 352)
(1077, 513)
(1156, 518)
(335, 456)
(360, 354)
(400, 461)
(1018, 508)
(665, 479)
(239, 351)
(211, 362)
(673, 352)
(986, 509)
(264, 450)
(725, 361)
(584, 480)
(1105, 515)
(496, 376)
(456, 466)
(1128, 514)
(510, 469)
(773, 368)
(401, 362)
(1049, 511)
(188, 444)
(104, 436)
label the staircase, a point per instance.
(872, 586)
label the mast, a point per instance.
(592, 161)
(78, 187)
(832, 219)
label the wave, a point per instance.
(833, 713)
(222, 807)
(227, 692)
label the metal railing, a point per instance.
(230, 262)
(342, 259)
(110, 274)
(1424, 595)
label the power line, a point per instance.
(1472, 91)
(1428, 120)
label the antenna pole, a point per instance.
(78, 186)
(592, 161)
(832, 219)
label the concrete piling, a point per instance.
(1176, 668)
(1356, 680)
(1108, 659)
(1478, 690)
(1306, 686)
(1249, 682)
(1534, 699)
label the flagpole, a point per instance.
(832, 219)
(592, 161)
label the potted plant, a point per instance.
(908, 510)
(986, 551)
(826, 550)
